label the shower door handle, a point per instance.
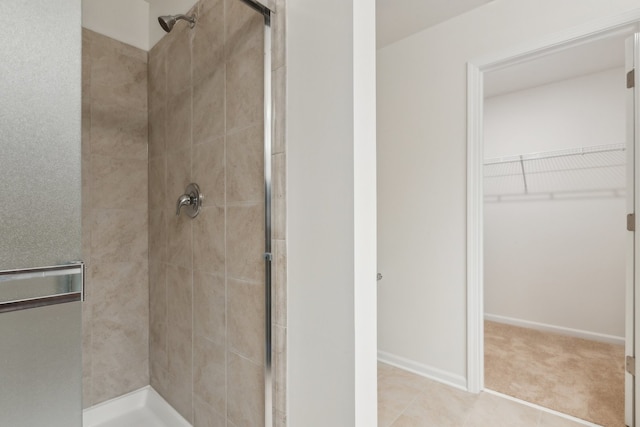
(24, 289)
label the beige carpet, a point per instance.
(570, 375)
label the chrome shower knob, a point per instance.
(192, 199)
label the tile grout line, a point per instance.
(415, 398)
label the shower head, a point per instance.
(168, 21)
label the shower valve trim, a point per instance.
(192, 198)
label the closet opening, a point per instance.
(551, 263)
(554, 241)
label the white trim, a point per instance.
(457, 381)
(145, 397)
(578, 333)
(475, 72)
(543, 409)
(475, 238)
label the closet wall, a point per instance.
(561, 261)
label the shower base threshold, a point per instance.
(140, 408)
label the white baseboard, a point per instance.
(453, 380)
(593, 336)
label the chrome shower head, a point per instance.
(168, 21)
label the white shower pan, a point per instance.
(140, 408)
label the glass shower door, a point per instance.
(40, 308)
(40, 377)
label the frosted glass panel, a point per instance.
(40, 375)
(40, 184)
(40, 83)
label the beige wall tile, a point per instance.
(119, 328)
(157, 76)
(208, 240)
(157, 236)
(116, 64)
(108, 47)
(245, 394)
(208, 39)
(158, 357)
(115, 315)
(278, 85)
(245, 165)
(179, 117)
(245, 83)
(157, 183)
(108, 383)
(279, 282)
(128, 95)
(209, 106)
(179, 300)
(246, 329)
(205, 416)
(209, 373)
(280, 369)
(179, 343)
(86, 216)
(178, 176)
(244, 29)
(118, 183)
(119, 132)
(159, 380)
(278, 31)
(118, 235)
(209, 171)
(209, 318)
(178, 59)
(179, 241)
(279, 196)
(157, 132)
(245, 242)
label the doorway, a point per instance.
(539, 178)
(554, 245)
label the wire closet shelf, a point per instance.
(575, 173)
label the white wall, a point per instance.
(134, 22)
(422, 171)
(123, 20)
(557, 262)
(331, 379)
(579, 112)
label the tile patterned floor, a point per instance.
(409, 400)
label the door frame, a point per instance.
(627, 22)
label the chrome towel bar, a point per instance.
(23, 289)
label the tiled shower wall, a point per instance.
(114, 218)
(206, 103)
(279, 221)
(206, 304)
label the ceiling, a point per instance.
(397, 19)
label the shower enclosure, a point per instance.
(210, 271)
(181, 302)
